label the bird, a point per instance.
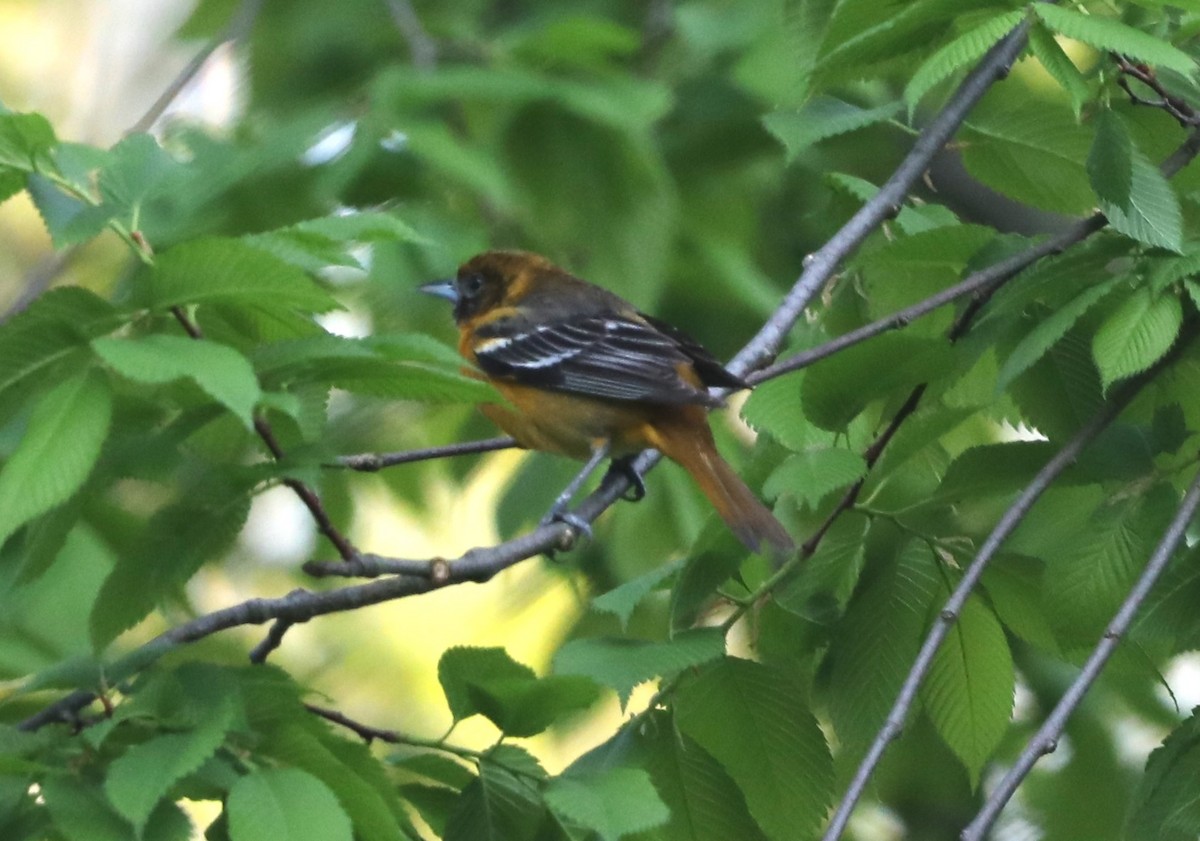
(587, 375)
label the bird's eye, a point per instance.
(471, 285)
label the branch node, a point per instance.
(948, 615)
(439, 571)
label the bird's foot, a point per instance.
(636, 491)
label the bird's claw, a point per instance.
(636, 491)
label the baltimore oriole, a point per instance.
(588, 376)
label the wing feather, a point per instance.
(608, 356)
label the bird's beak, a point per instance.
(442, 289)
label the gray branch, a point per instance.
(954, 605)
(1046, 739)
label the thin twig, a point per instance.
(237, 28)
(371, 462)
(1046, 739)
(270, 642)
(954, 605)
(306, 494)
(978, 282)
(821, 264)
(421, 46)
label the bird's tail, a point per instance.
(750, 520)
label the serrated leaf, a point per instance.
(1033, 152)
(624, 663)
(486, 681)
(285, 804)
(317, 243)
(1152, 215)
(1136, 334)
(873, 646)
(231, 271)
(613, 803)
(222, 372)
(751, 718)
(1059, 65)
(1166, 806)
(622, 600)
(820, 119)
(1099, 561)
(68, 219)
(964, 50)
(58, 450)
(775, 407)
(1041, 338)
(969, 691)
(174, 544)
(836, 389)
(350, 771)
(82, 813)
(1110, 161)
(1110, 34)
(499, 806)
(138, 779)
(54, 325)
(830, 574)
(25, 140)
(705, 803)
(810, 475)
(1014, 588)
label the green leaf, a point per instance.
(1110, 162)
(228, 270)
(836, 389)
(1097, 561)
(1041, 338)
(1136, 334)
(613, 803)
(964, 50)
(25, 141)
(285, 804)
(624, 663)
(176, 541)
(705, 803)
(1152, 215)
(138, 779)
(54, 325)
(82, 813)
(222, 372)
(753, 720)
(776, 407)
(622, 600)
(1166, 806)
(501, 805)
(1059, 65)
(874, 645)
(1014, 588)
(317, 243)
(1109, 34)
(830, 574)
(1061, 391)
(969, 691)
(486, 681)
(1031, 151)
(349, 770)
(68, 219)
(811, 475)
(58, 450)
(820, 119)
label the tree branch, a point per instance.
(237, 28)
(950, 611)
(821, 265)
(1046, 739)
(421, 47)
(371, 462)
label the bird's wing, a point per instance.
(607, 356)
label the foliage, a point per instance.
(689, 158)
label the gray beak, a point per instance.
(442, 289)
